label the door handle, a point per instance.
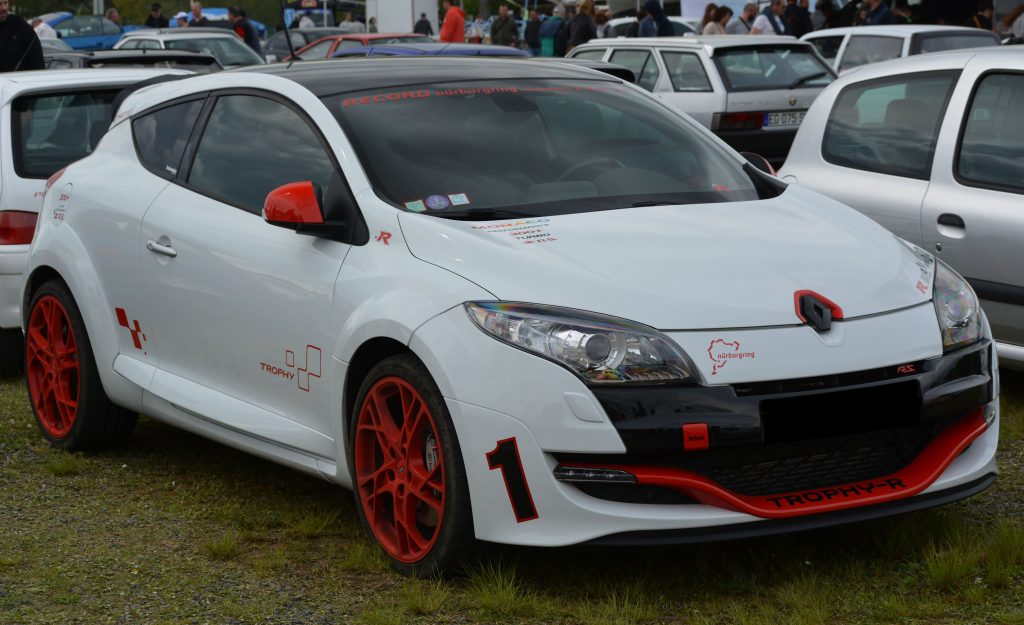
(951, 220)
(166, 250)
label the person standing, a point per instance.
(19, 45)
(554, 33)
(1014, 22)
(983, 18)
(798, 18)
(113, 16)
(181, 19)
(244, 29)
(198, 19)
(306, 20)
(582, 27)
(709, 13)
(156, 17)
(770, 20)
(531, 33)
(453, 29)
(718, 22)
(504, 30)
(656, 24)
(744, 21)
(423, 26)
(878, 13)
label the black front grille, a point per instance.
(634, 493)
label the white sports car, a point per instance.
(501, 300)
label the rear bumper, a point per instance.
(772, 144)
(12, 264)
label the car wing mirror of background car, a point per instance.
(300, 206)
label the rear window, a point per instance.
(52, 130)
(228, 50)
(532, 147)
(771, 67)
(925, 43)
(865, 49)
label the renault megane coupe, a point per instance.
(504, 301)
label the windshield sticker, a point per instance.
(438, 202)
(526, 231)
(458, 199)
(416, 206)
(721, 188)
(721, 352)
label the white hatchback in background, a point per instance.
(47, 121)
(218, 42)
(932, 148)
(750, 91)
(853, 46)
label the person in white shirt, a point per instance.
(743, 22)
(43, 30)
(770, 22)
(306, 21)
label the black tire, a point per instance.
(96, 423)
(12, 352)
(455, 542)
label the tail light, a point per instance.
(738, 121)
(17, 227)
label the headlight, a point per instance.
(957, 308)
(597, 348)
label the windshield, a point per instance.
(923, 44)
(771, 67)
(532, 147)
(228, 50)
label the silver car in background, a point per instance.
(752, 92)
(853, 46)
(932, 148)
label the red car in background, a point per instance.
(325, 47)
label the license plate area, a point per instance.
(783, 119)
(840, 413)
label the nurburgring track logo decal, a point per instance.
(721, 351)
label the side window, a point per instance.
(827, 47)
(346, 44)
(298, 40)
(643, 65)
(58, 64)
(863, 50)
(110, 28)
(52, 130)
(131, 44)
(991, 152)
(318, 50)
(161, 136)
(889, 125)
(265, 139)
(595, 55)
(149, 44)
(68, 28)
(686, 71)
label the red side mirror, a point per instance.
(292, 204)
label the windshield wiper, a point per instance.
(652, 203)
(479, 214)
(799, 81)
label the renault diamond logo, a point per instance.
(816, 310)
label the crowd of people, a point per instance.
(565, 28)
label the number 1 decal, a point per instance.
(505, 456)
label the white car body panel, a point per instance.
(241, 294)
(905, 33)
(991, 247)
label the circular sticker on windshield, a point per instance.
(438, 202)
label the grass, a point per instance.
(177, 529)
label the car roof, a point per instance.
(896, 30)
(372, 36)
(328, 77)
(711, 41)
(622, 20)
(42, 79)
(131, 54)
(995, 56)
(179, 33)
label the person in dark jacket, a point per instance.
(244, 29)
(554, 34)
(156, 17)
(656, 24)
(531, 33)
(504, 30)
(19, 45)
(423, 26)
(798, 18)
(878, 13)
(582, 27)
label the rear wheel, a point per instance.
(64, 386)
(12, 352)
(409, 479)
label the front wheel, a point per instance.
(409, 479)
(64, 387)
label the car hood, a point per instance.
(728, 265)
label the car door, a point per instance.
(244, 305)
(973, 216)
(642, 62)
(878, 145)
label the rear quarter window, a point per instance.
(49, 131)
(161, 136)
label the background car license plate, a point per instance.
(784, 118)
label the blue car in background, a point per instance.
(430, 49)
(85, 32)
(218, 17)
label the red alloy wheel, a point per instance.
(52, 367)
(399, 469)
